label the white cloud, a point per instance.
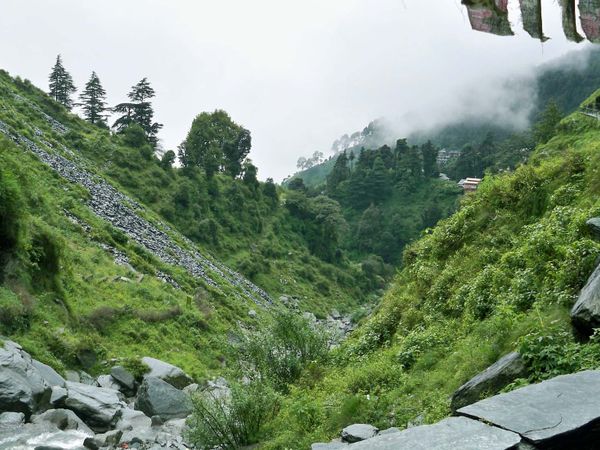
(297, 73)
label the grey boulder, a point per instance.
(108, 382)
(109, 439)
(594, 226)
(98, 407)
(559, 413)
(123, 377)
(63, 419)
(49, 375)
(131, 418)
(11, 420)
(22, 387)
(585, 314)
(489, 382)
(449, 434)
(358, 432)
(158, 398)
(167, 372)
(58, 396)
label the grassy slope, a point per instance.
(88, 307)
(500, 274)
(59, 324)
(292, 270)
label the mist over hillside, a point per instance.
(501, 107)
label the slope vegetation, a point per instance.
(501, 274)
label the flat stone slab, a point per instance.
(454, 433)
(560, 411)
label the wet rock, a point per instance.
(58, 396)
(585, 314)
(132, 419)
(358, 432)
(109, 439)
(49, 375)
(594, 226)
(22, 387)
(167, 372)
(492, 380)
(108, 382)
(63, 419)
(450, 434)
(124, 378)
(11, 420)
(158, 398)
(98, 407)
(559, 413)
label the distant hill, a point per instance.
(568, 81)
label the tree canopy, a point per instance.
(93, 101)
(216, 143)
(61, 84)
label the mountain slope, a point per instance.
(90, 272)
(499, 275)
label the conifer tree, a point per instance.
(339, 173)
(61, 84)
(139, 110)
(93, 101)
(429, 154)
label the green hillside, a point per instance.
(75, 284)
(500, 274)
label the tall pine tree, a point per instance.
(93, 101)
(139, 110)
(61, 84)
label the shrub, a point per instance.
(279, 353)
(153, 316)
(10, 216)
(14, 315)
(235, 421)
(101, 318)
(136, 367)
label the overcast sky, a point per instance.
(297, 73)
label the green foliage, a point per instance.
(15, 315)
(11, 214)
(61, 84)
(232, 422)
(93, 99)
(139, 111)
(215, 143)
(136, 368)
(498, 275)
(277, 354)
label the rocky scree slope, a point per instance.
(120, 211)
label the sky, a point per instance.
(297, 73)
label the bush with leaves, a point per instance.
(279, 353)
(232, 421)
